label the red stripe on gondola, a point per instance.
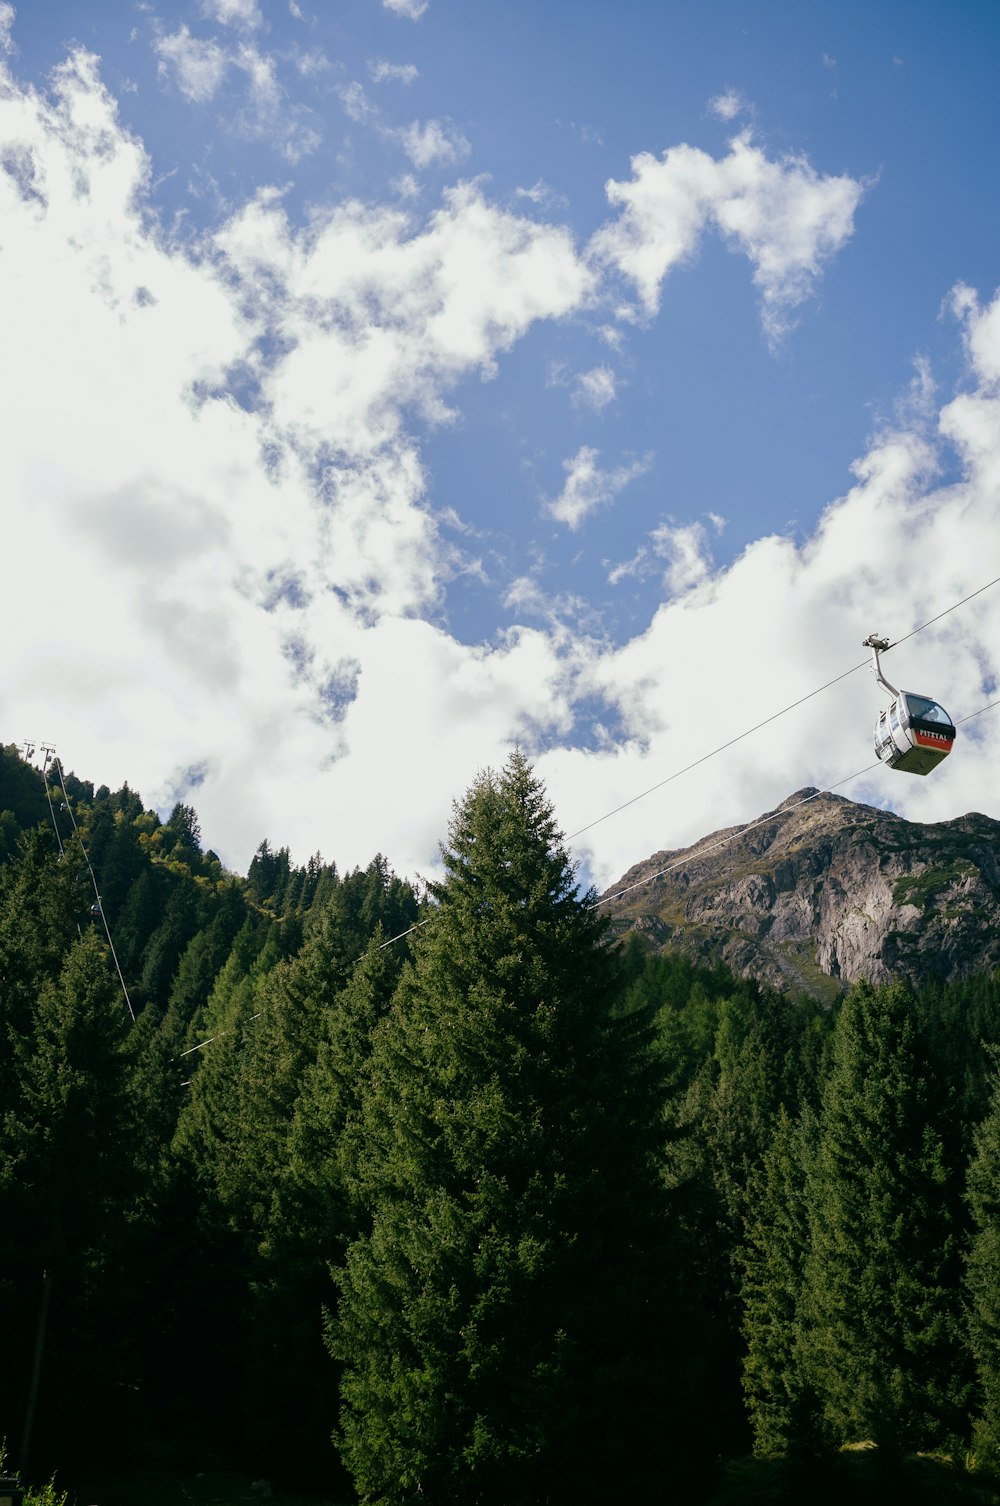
(932, 740)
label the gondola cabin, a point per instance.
(914, 733)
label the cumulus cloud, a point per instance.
(6, 25)
(430, 141)
(242, 13)
(783, 619)
(238, 590)
(242, 586)
(588, 487)
(381, 71)
(543, 195)
(786, 218)
(686, 551)
(595, 389)
(727, 105)
(425, 143)
(200, 67)
(411, 9)
(357, 104)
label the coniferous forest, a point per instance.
(496, 1212)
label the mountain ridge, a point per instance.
(822, 891)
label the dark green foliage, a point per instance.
(983, 1274)
(268, 876)
(503, 1321)
(205, 955)
(22, 799)
(571, 1193)
(881, 1332)
(773, 1257)
(864, 1477)
(183, 831)
(312, 1217)
(67, 1175)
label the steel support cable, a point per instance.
(48, 796)
(732, 836)
(380, 948)
(775, 715)
(749, 731)
(604, 899)
(93, 879)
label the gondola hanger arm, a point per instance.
(878, 646)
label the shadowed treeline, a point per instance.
(501, 1212)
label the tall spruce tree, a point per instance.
(983, 1272)
(503, 1323)
(772, 1259)
(311, 1221)
(881, 1342)
(67, 1180)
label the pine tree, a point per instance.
(502, 1321)
(310, 1222)
(67, 1177)
(983, 1272)
(881, 1343)
(772, 1259)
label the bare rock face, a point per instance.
(823, 891)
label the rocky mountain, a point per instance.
(823, 891)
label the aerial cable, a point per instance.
(679, 862)
(720, 749)
(605, 899)
(961, 719)
(48, 750)
(775, 715)
(380, 948)
(732, 835)
(954, 606)
(398, 937)
(201, 1044)
(93, 880)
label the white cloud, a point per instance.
(433, 141)
(781, 621)
(381, 72)
(785, 217)
(411, 9)
(588, 487)
(243, 13)
(595, 389)
(203, 604)
(727, 105)
(7, 14)
(312, 63)
(259, 67)
(199, 66)
(685, 549)
(424, 142)
(981, 330)
(541, 194)
(633, 567)
(276, 603)
(357, 104)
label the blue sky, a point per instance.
(392, 381)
